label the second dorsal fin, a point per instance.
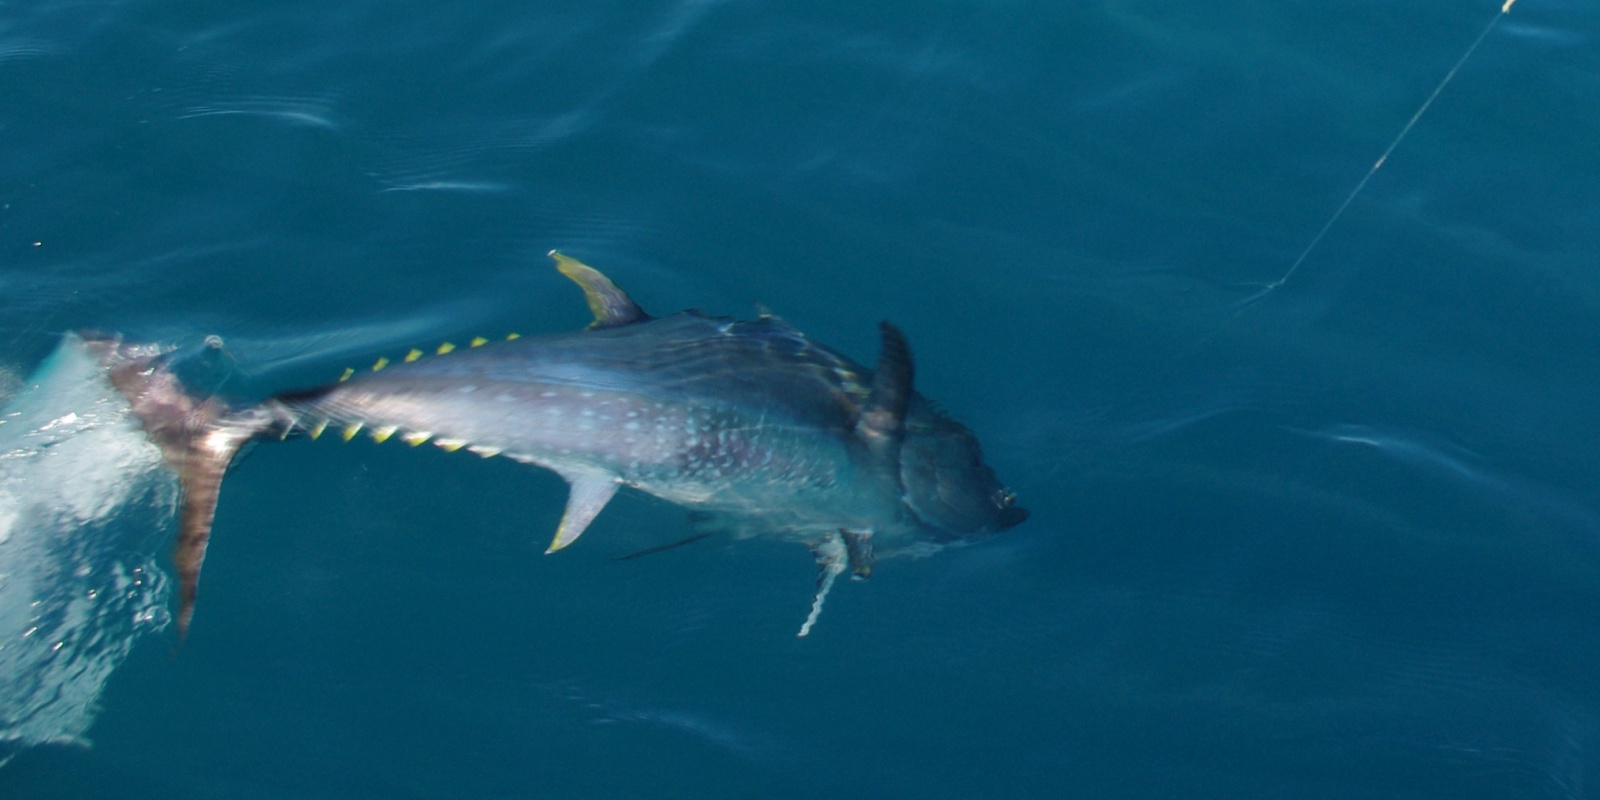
(611, 306)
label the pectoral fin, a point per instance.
(661, 548)
(858, 551)
(589, 493)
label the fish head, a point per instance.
(946, 484)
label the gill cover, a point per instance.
(943, 478)
(946, 483)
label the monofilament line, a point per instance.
(1376, 165)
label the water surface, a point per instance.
(1343, 541)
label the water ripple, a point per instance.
(1469, 470)
(309, 112)
(22, 49)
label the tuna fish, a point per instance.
(743, 419)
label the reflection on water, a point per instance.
(1434, 457)
(80, 490)
(643, 720)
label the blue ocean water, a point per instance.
(1338, 538)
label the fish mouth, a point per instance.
(1010, 517)
(1008, 513)
(1004, 518)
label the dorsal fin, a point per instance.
(883, 418)
(611, 306)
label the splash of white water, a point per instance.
(81, 490)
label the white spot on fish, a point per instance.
(467, 389)
(632, 426)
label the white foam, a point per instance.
(84, 499)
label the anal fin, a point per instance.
(590, 491)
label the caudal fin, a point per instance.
(198, 437)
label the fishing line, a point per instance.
(1376, 165)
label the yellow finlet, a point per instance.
(317, 429)
(381, 435)
(444, 348)
(416, 437)
(348, 371)
(479, 341)
(380, 364)
(351, 430)
(450, 445)
(511, 337)
(413, 355)
(485, 452)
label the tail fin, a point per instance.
(198, 438)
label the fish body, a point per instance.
(735, 417)
(749, 419)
